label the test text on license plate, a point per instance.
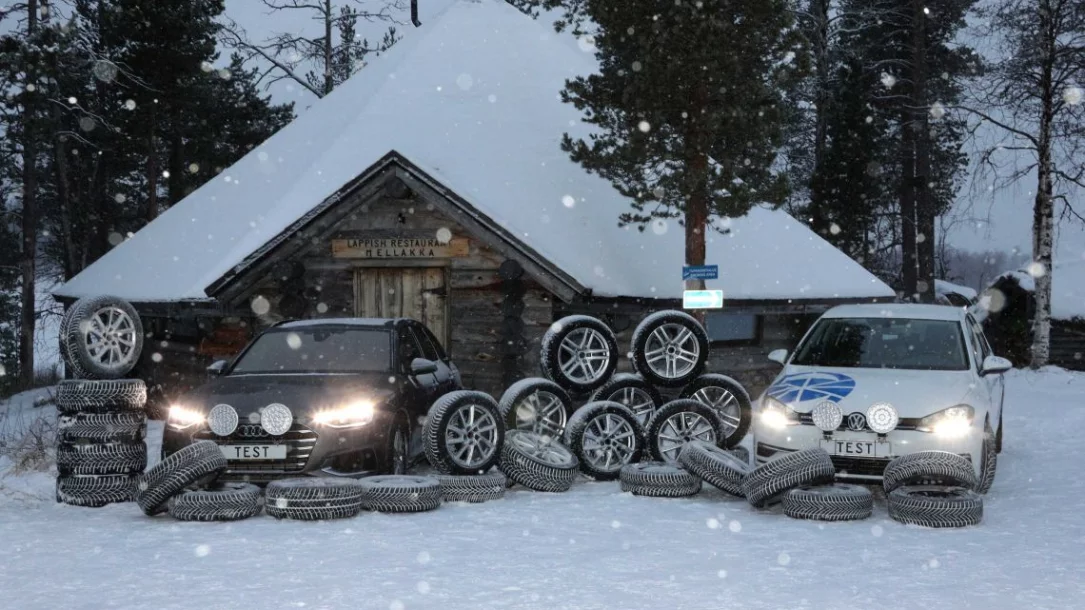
(856, 448)
(254, 452)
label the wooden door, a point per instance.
(409, 292)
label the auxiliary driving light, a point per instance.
(222, 420)
(827, 416)
(276, 419)
(882, 417)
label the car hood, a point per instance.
(913, 393)
(304, 394)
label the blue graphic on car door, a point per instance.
(802, 387)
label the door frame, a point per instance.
(439, 263)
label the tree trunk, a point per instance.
(1043, 221)
(151, 211)
(819, 12)
(28, 262)
(177, 179)
(907, 207)
(329, 82)
(924, 206)
(696, 216)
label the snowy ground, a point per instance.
(593, 547)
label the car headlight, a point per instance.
(953, 422)
(352, 415)
(776, 415)
(182, 418)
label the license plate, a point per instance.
(856, 448)
(254, 452)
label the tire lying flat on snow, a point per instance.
(101, 337)
(463, 433)
(95, 491)
(717, 467)
(679, 422)
(200, 461)
(935, 506)
(74, 396)
(225, 502)
(313, 498)
(729, 398)
(400, 493)
(604, 437)
(101, 458)
(536, 405)
(537, 462)
(669, 348)
(768, 483)
(633, 391)
(838, 502)
(929, 468)
(658, 480)
(472, 488)
(102, 428)
(579, 353)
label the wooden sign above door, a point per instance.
(387, 245)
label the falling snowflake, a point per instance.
(465, 81)
(115, 238)
(423, 587)
(293, 340)
(615, 524)
(492, 98)
(260, 306)
(586, 44)
(322, 308)
(734, 526)
(713, 523)
(193, 168)
(130, 104)
(156, 357)
(72, 101)
(637, 66)
(644, 126)
(206, 66)
(722, 573)
(834, 229)
(877, 531)
(1073, 95)
(395, 605)
(224, 74)
(203, 550)
(3, 370)
(444, 235)
(1036, 269)
(659, 226)
(937, 111)
(568, 201)
(888, 80)
(783, 558)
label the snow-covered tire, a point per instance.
(669, 348)
(727, 396)
(579, 353)
(95, 491)
(679, 422)
(100, 396)
(313, 498)
(935, 506)
(768, 483)
(658, 480)
(537, 462)
(472, 488)
(929, 468)
(101, 458)
(400, 493)
(453, 455)
(201, 461)
(224, 502)
(990, 461)
(717, 467)
(102, 428)
(633, 391)
(93, 320)
(536, 405)
(836, 502)
(604, 436)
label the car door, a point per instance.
(995, 384)
(422, 388)
(447, 375)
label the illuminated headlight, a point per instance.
(776, 415)
(353, 415)
(953, 422)
(182, 418)
(882, 417)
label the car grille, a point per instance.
(859, 467)
(299, 441)
(906, 423)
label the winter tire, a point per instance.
(742, 453)
(658, 480)
(313, 498)
(472, 488)
(400, 494)
(579, 353)
(536, 405)
(102, 428)
(537, 462)
(679, 422)
(837, 502)
(990, 461)
(717, 467)
(729, 398)
(201, 461)
(225, 502)
(669, 348)
(929, 468)
(101, 458)
(104, 396)
(604, 437)
(767, 483)
(94, 491)
(935, 506)
(103, 337)
(633, 391)
(463, 433)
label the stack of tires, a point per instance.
(102, 423)
(935, 489)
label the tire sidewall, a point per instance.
(573, 440)
(670, 409)
(745, 411)
(440, 430)
(549, 363)
(640, 338)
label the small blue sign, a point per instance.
(700, 272)
(702, 299)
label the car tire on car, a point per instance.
(400, 494)
(221, 502)
(679, 422)
(929, 468)
(604, 436)
(75, 396)
(313, 498)
(102, 428)
(537, 462)
(658, 480)
(94, 491)
(536, 405)
(768, 483)
(935, 506)
(101, 458)
(579, 353)
(200, 462)
(669, 348)
(101, 337)
(835, 502)
(717, 467)
(478, 448)
(989, 463)
(727, 396)
(472, 488)
(634, 392)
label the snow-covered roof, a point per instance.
(1067, 287)
(916, 311)
(472, 98)
(944, 287)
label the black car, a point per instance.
(341, 397)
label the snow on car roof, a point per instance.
(897, 310)
(472, 98)
(336, 322)
(945, 287)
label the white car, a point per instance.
(869, 383)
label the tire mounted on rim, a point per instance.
(669, 348)
(537, 462)
(633, 391)
(604, 436)
(679, 422)
(464, 433)
(536, 405)
(102, 338)
(727, 396)
(579, 353)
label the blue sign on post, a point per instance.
(700, 272)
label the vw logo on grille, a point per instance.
(857, 422)
(251, 430)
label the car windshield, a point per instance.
(895, 343)
(318, 350)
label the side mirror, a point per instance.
(421, 366)
(995, 364)
(217, 368)
(778, 355)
